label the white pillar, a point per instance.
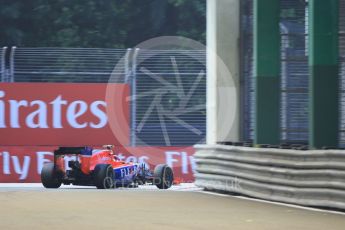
(223, 22)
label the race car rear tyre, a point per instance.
(103, 176)
(50, 178)
(163, 176)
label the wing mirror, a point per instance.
(109, 147)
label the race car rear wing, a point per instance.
(70, 150)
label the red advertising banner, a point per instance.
(24, 164)
(69, 114)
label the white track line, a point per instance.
(185, 187)
(274, 203)
(188, 187)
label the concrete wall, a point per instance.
(312, 177)
(223, 70)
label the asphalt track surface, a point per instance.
(183, 207)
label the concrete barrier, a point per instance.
(312, 177)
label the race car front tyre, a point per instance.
(49, 177)
(103, 176)
(163, 176)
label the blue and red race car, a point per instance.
(101, 168)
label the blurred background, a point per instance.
(101, 23)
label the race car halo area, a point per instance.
(31, 206)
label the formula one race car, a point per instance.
(101, 168)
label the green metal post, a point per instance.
(267, 71)
(323, 70)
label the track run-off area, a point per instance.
(30, 206)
